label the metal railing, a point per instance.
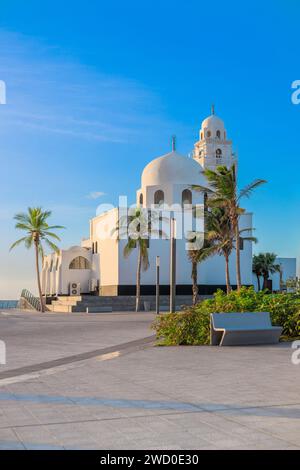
(31, 299)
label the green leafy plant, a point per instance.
(192, 326)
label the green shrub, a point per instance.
(192, 326)
(188, 327)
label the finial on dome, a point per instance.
(173, 143)
(212, 109)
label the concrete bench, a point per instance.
(98, 309)
(233, 329)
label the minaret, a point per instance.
(213, 148)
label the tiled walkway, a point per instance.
(163, 398)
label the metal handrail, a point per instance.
(31, 299)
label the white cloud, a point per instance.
(95, 194)
(49, 95)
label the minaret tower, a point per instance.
(213, 149)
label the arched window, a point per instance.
(186, 197)
(218, 153)
(208, 134)
(141, 199)
(79, 263)
(57, 261)
(51, 266)
(218, 134)
(159, 197)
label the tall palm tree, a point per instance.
(223, 192)
(137, 227)
(257, 268)
(198, 250)
(268, 266)
(34, 223)
(221, 235)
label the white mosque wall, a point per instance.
(81, 276)
(57, 275)
(211, 272)
(104, 239)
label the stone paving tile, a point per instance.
(33, 437)
(223, 383)
(9, 440)
(65, 335)
(283, 428)
(11, 445)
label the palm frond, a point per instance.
(34, 222)
(51, 245)
(54, 227)
(50, 234)
(18, 242)
(201, 189)
(247, 190)
(23, 226)
(249, 239)
(130, 245)
(250, 229)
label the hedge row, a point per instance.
(192, 325)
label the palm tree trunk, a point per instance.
(195, 282)
(266, 277)
(258, 282)
(36, 244)
(238, 256)
(138, 281)
(227, 274)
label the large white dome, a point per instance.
(173, 168)
(213, 122)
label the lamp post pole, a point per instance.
(172, 264)
(157, 284)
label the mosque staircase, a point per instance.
(69, 304)
(29, 302)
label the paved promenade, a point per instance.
(130, 394)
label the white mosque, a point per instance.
(98, 266)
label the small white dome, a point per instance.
(213, 123)
(172, 168)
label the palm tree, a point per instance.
(198, 250)
(268, 266)
(220, 234)
(223, 192)
(34, 223)
(137, 227)
(257, 267)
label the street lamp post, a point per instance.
(172, 264)
(157, 284)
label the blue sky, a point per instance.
(95, 90)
